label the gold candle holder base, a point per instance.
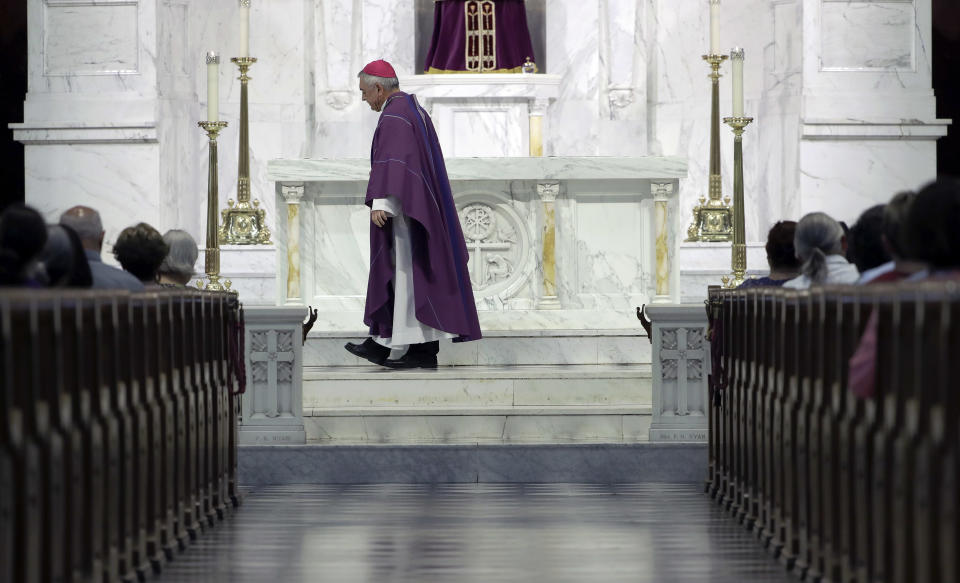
(738, 255)
(212, 251)
(243, 223)
(214, 283)
(712, 219)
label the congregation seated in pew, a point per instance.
(63, 259)
(22, 237)
(86, 222)
(865, 248)
(933, 230)
(820, 244)
(140, 249)
(177, 267)
(894, 240)
(888, 243)
(781, 257)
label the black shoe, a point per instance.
(369, 350)
(413, 361)
(418, 356)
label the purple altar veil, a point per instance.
(463, 41)
(406, 162)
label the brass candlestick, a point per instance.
(711, 218)
(244, 224)
(212, 251)
(738, 257)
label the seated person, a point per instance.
(64, 260)
(780, 256)
(865, 247)
(140, 250)
(894, 236)
(22, 236)
(177, 267)
(932, 232)
(931, 236)
(819, 243)
(87, 225)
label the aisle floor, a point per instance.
(476, 532)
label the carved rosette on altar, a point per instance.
(479, 36)
(498, 245)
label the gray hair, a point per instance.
(388, 83)
(817, 236)
(182, 255)
(84, 221)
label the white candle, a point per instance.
(736, 65)
(213, 86)
(714, 27)
(244, 28)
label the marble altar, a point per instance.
(614, 231)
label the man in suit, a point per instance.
(86, 223)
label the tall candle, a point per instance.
(244, 28)
(714, 27)
(213, 86)
(736, 65)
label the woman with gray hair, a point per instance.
(818, 243)
(177, 267)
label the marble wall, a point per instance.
(840, 92)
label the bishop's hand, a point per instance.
(379, 218)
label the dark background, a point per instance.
(13, 90)
(13, 82)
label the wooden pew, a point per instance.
(28, 471)
(714, 384)
(848, 411)
(141, 418)
(10, 435)
(927, 446)
(45, 346)
(752, 390)
(180, 380)
(191, 386)
(767, 330)
(947, 532)
(778, 398)
(844, 488)
(119, 429)
(117, 344)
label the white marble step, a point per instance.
(478, 427)
(505, 347)
(477, 386)
(573, 403)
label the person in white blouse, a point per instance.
(819, 244)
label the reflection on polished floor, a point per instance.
(476, 532)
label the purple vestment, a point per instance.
(406, 162)
(471, 36)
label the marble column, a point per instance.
(548, 191)
(538, 108)
(292, 195)
(662, 192)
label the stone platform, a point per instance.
(563, 386)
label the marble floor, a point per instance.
(476, 532)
